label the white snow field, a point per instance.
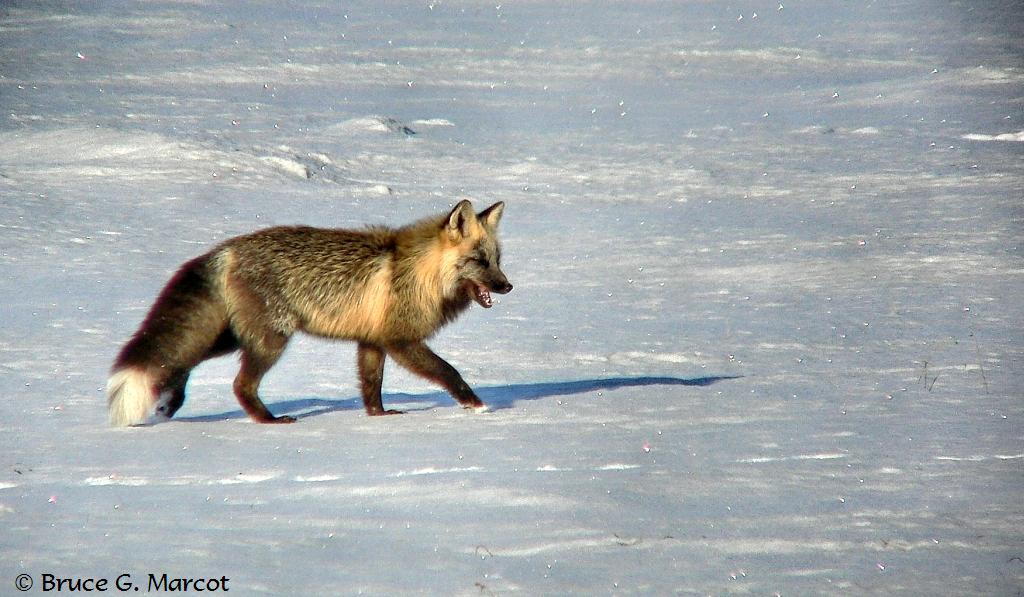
(766, 332)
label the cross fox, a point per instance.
(387, 289)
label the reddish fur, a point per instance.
(388, 289)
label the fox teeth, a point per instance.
(483, 297)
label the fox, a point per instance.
(386, 289)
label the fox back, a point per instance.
(379, 285)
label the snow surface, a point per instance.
(765, 338)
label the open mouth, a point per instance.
(482, 296)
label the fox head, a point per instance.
(474, 236)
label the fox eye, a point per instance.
(482, 261)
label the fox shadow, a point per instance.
(496, 397)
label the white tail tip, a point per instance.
(131, 397)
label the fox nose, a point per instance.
(503, 288)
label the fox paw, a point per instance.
(280, 420)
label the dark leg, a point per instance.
(252, 328)
(257, 359)
(371, 374)
(422, 361)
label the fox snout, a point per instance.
(481, 291)
(501, 286)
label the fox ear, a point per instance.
(492, 215)
(460, 221)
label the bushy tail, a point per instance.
(186, 324)
(131, 397)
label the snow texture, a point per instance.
(765, 337)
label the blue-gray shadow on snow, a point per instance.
(496, 397)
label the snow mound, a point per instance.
(432, 122)
(1019, 137)
(98, 153)
(373, 124)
